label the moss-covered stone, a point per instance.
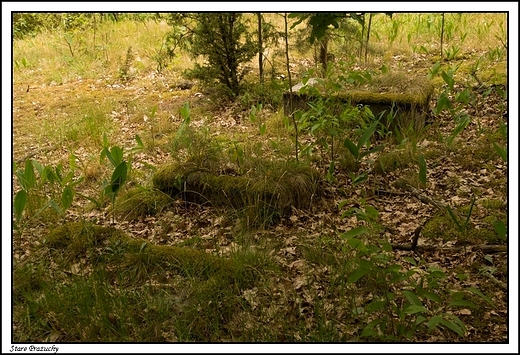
(408, 98)
(76, 240)
(140, 201)
(276, 189)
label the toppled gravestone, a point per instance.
(274, 192)
(407, 97)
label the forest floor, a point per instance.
(303, 245)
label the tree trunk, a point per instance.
(323, 54)
(260, 49)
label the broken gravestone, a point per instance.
(406, 97)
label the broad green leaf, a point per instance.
(412, 298)
(370, 151)
(118, 177)
(28, 179)
(457, 321)
(357, 274)
(330, 172)
(37, 166)
(20, 200)
(67, 197)
(500, 229)
(462, 122)
(410, 260)
(263, 128)
(463, 96)
(106, 153)
(433, 322)
(342, 204)
(359, 179)
(422, 170)
(356, 243)
(352, 148)
(185, 113)
(139, 141)
(252, 114)
(502, 93)
(367, 134)
(442, 102)
(355, 232)
(435, 69)
(431, 296)
(481, 295)
(48, 174)
(117, 155)
(451, 325)
(500, 151)
(435, 271)
(448, 78)
(420, 319)
(457, 296)
(72, 161)
(375, 306)
(55, 206)
(368, 330)
(413, 309)
(372, 212)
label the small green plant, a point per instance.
(451, 52)
(125, 70)
(357, 150)
(119, 174)
(255, 117)
(52, 187)
(500, 229)
(404, 300)
(236, 155)
(422, 169)
(462, 227)
(152, 122)
(456, 107)
(501, 151)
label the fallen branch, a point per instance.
(488, 249)
(426, 199)
(30, 155)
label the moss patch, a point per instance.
(117, 251)
(489, 211)
(141, 201)
(272, 190)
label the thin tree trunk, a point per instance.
(442, 32)
(368, 37)
(260, 49)
(290, 89)
(362, 38)
(323, 54)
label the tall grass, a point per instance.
(469, 31)
(58, 57)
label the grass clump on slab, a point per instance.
(141, 201)
(270, 191)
